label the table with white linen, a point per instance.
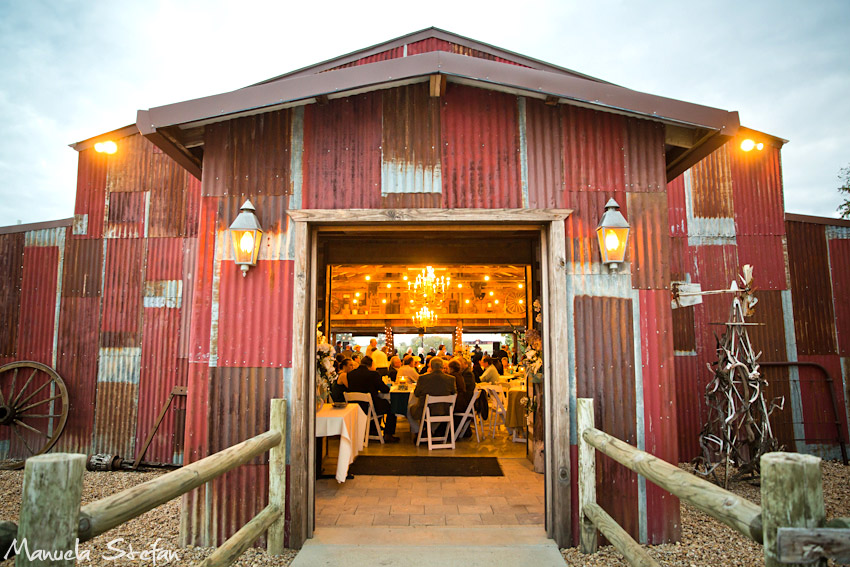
(350, 424)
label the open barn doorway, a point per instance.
(523, 251)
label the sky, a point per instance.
(73, 70)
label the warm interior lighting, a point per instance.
(520, 286)
(389, 285)
(491, 293)
(486, 278)
(383, 301)
(357, 294)
(245, 232)
(759, 146)
(355, 301)
(496, 302)
(613, 234)
(747, 145)
(467, 301)
(612, 241)
(368, 278)
(460, 285)
(429, 289)
(108, 147)
(246, 243)
(404, 278)
(521, 301)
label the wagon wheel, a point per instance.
(33, 405)
(514, 302)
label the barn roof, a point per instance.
(693, 130)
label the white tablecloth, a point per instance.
(350, 424)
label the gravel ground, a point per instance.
(707, 542)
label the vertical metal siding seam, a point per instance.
(794, 371)
(215, 307)
(639, 410)
(147, 218)
(296, 175)
(61, 265)
(523, 148)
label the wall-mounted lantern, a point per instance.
(613, 233)
(246, 233)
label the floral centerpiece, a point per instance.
(326, 374)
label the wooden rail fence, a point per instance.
(52, 519)
(790, 523)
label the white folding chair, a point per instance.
(469, 416)
(497, 410)
(447, 441)
(372, 416)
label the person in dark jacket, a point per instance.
(435, 383)
(365, 379)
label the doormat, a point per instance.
(426, 466)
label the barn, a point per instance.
(428, 149)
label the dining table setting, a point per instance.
(349, 422)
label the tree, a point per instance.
(844, 179)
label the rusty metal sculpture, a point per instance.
(738, 430)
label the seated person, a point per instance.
(434, 383)
(395, 364)
(341, 385)
(490, 373)
(365, 379)
(408, 370)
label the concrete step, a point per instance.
(430, 547)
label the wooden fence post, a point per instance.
(277, 478)
(586, 474)
(50, 508)
(791, 497)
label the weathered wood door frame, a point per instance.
(306, 223)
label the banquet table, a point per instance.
(399, 399)
(516, 411)
(350, 424)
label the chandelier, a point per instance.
(428, 289)
(425, 317)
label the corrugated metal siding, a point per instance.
(342, 153)
(122, 292)
(434, 44)
(582, 243)
(11, 279)
(229, 511)
(255, 315)
(683, 260)
(818, 414)
(199, 340)
(250, 156)
(117, 401)
(173, 199)
(766, 253)
(605, 372)
(91, 192)
(811, 288)
(677, 207)
(643, 149)
(164, 260)
(545, 155)
(126, 215)
(593, 150)
(412, 201)
(82, 269)
(684, 337)
(718, 267)
(480, 154)
(190, 258)
(129, 168)
(411, 141)
(839, 260)
(649, 242)
(77, 363)
(393, 53)
(38, 304)
(757, 187)
(659, 404)
(711, 183)
(690, 398)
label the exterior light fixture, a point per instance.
(749, 145)
(613, 233)
(108, 147)
(246, 233)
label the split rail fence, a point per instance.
(52, 519)
(789, 523)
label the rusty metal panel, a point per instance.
(605, 372)
(649, 240)
(480, 151)
(593, 150)
(126, 215)
(690, 396)
(117, 401)
(545, 155)
(197, 413)
(677, 208)
(683, 260)
(255, 315)
(412, 201)
(818, 414)
(76, 363)
(411, 141)
(582, 244)
(236, 498)
(122, 292)
(684, 337)
(757, 188)
(839, 261)
(91, 195)
(435, 44)
(165, 259)
(644, 158)
(769, 339)
(170, 198)
(811, 288)
(128, 169)
(193, 206)
(190, 255)
(161, 370)
(393, 53)
(342, 153)
(38, 304)
(249, 156)
(659, 407)
(766, 253)
(82, 267)
(711, 186)
(718, 266)
(201, 306)
(11, 280)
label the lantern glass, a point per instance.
(612, 243)
(246, 247)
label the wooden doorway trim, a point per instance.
(306, 223)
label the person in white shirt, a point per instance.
(408, 370)
(490, 374)
(379, 357)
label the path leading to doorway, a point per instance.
(430, 547)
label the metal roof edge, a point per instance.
(15, 228)
(118, 133)
(795, 217)
(770, 138)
